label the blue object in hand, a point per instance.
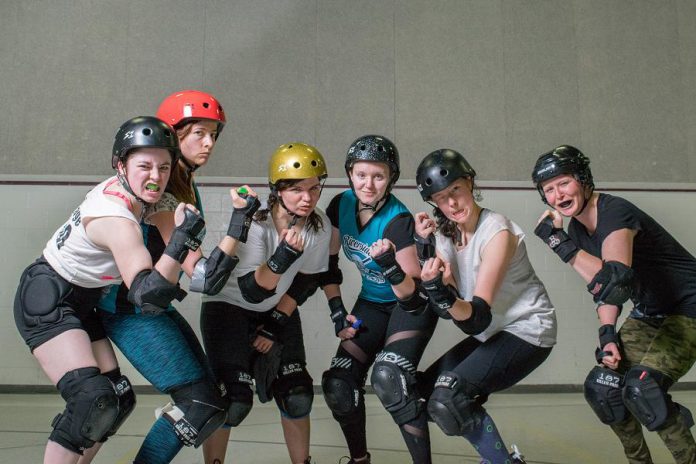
(356, 324)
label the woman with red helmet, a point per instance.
(163, 347)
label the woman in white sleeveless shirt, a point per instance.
(478, 275)
(101, 244)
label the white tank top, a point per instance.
(521, 307)
(261, 243)
(73, 255)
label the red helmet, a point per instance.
(182, 107)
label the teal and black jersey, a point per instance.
(393, 221)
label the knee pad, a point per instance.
(453, 405)
(342, 393)
(293, 391)
(394, 381)
(240, 398)
(126, 399)
(603, 392)
(196, 413)
(91, 409)
(41, 295)
(645, 395)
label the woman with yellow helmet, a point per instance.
(251, 329)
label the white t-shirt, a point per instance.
(261, 243)
(521, 307)
(73, 255)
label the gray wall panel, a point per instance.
(449, 81)
(500, 80)
(630, 89)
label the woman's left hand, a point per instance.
(380, 247)
(432, 268)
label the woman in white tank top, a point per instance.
(477, 274)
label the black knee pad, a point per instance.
(239, 397)
(394, 381)
(342, 393)
(198, 411)
(126, 399)
(90, 412)
(453, 405)
(41, 295)
(645, 395)
(293, 391)
(603, 390)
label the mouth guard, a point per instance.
(152, 187)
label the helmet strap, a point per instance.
(126, 186)
(190, 167)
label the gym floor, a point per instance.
(556, 428)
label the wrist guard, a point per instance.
(273, 323)
(442, 297)
(186, 236)
(390, 267)
(557, 239)
(607, 334)
(282, 258)
(425, 247)
(240, 221)
(338, 314)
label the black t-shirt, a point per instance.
(400, 230)
(665, 271)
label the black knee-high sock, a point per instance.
(354, 431)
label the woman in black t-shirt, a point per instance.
(624, 253)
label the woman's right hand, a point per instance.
(239, 196)
(425, 225)
(292, 238)
(349, 332)
(432, 268)
(180, 215)
(555, 216)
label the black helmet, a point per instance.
(565, 159)
(374, 148)
(439, 169)
(144, 131)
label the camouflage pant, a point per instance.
(669, 346)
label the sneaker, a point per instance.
(351, 461)
(516, 456)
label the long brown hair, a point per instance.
(181, 180)
(314, 221)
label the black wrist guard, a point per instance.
(338, 314)
(240, 221)
(479, 320)
(273, 323)
(557, 239)
(607, 334)
(390, 267)
(283, 257)
(425, 247)
(442, 297)
(186, 236)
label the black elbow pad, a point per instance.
(333, 275)
(416, 302)
(152, 292)
(210, 274)
(480, 319)
(251, 290)
(613, 284)
(303, 286)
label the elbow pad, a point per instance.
(251, 290)
(613, 284)
(152, 292)
(416, 302)
(333, 275)
(303, 286)
(480, 319)
(210, 274)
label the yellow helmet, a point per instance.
(295, 160)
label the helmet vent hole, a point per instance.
(362, 147)
(147, 132)
(380, 148)
(290, 146)
(296, 165)
(444, 172)
(428, 182)
(314, 163)
(206, 105)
